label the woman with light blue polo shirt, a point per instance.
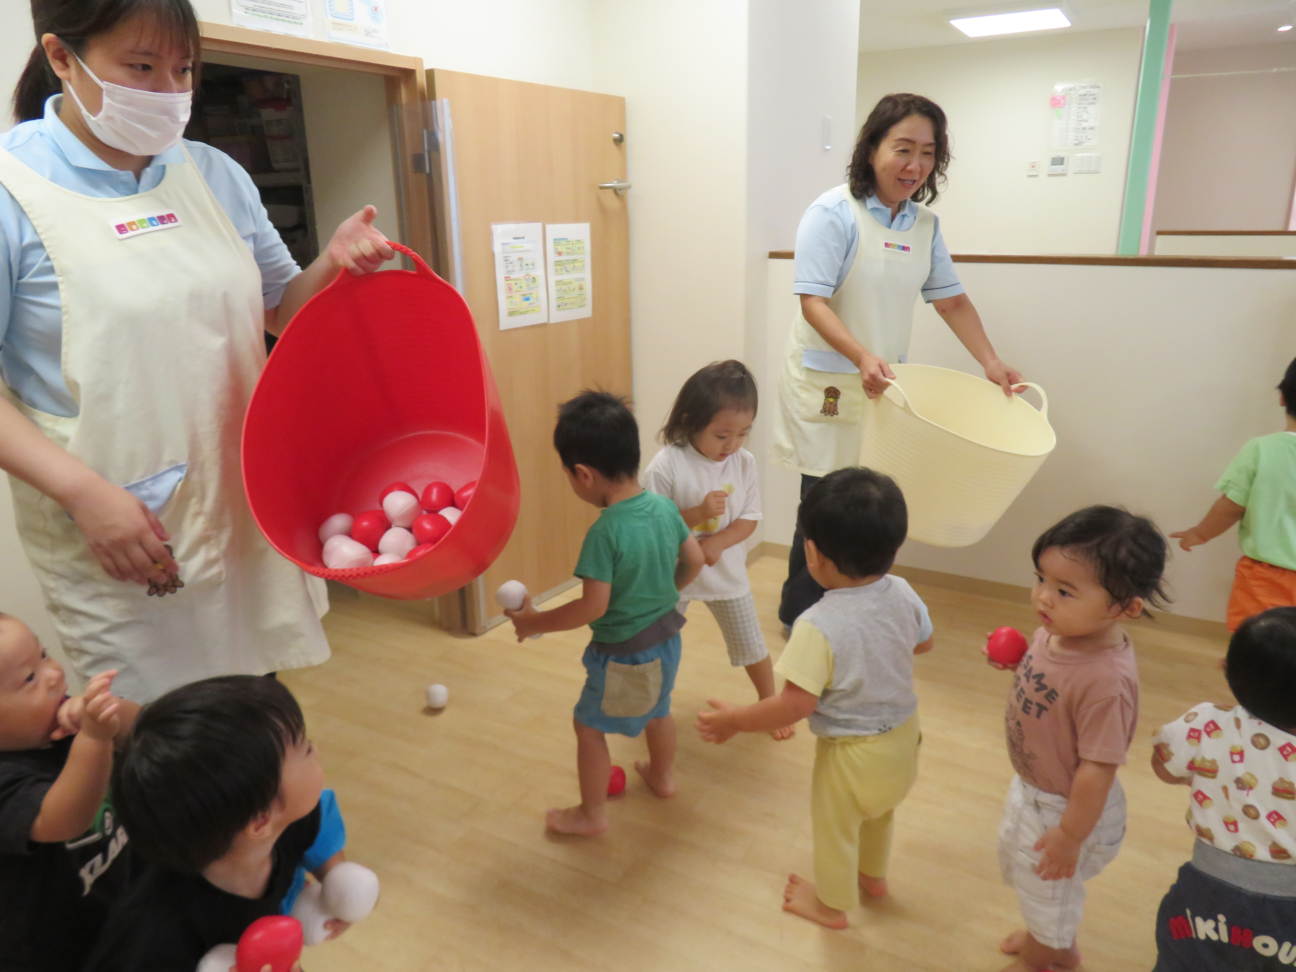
(140, 274)
(865, 252)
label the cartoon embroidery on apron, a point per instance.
(832, 394)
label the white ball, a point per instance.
(335, 525)
(350, 891)
(398, 541)
(220, 959)
(438, 696)
(511, 594)
(384, 559)
(334, 542)
(402, 508)
(451, 514)
(346, 554)
(309, 910)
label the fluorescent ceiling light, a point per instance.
(1288, 27)
(1011, 23)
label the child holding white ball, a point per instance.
(636, 558)
(222, 793)
(705, 471)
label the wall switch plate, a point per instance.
(1057, 165)
(1087, 162)
(1033, 167)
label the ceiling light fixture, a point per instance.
(1285, 27)
(1015, 22)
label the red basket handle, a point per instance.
(345, 277)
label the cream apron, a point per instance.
(821, 398)
(162, 345)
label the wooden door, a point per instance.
(520, 153)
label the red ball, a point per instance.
(396, 488)
(430, 527)
(1006, 646)
(436, 497)
(275, 940)
(464, 494)
(369, 528)
(616, 782)
(419, 551)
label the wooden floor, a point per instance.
(447, 808)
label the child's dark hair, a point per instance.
(1128, 552)
(709, 390)
(857, 518)
(597, 429)
(1288, 388)
(203, 762)
(1261, 666)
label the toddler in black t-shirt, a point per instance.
(220, 789)
(62, 855)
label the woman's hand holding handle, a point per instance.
(875, 373)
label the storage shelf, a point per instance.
(266, 180)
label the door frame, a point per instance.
(406, 92)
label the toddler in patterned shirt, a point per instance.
(1238, 894)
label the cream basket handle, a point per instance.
(1043, 397)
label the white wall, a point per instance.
(1266, 246)
(1228, 158)
(995, 95)
(682, 68)
(1149, 426)
(544, 41)
(802, 62)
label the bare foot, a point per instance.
(799, 898)
(787, 732)
(573, 820)
(662, 785)
(874, 887)
(1012, 945)
(1032, 953)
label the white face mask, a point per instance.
(136, 121)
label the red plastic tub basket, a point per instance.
(380, 379)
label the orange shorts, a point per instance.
(1257, 587)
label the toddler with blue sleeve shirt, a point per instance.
(849, 668)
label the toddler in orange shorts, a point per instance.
(1259, 488)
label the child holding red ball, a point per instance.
(1070, 720)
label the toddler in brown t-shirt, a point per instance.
(1070, 721)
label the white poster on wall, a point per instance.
(362, 22)
(1075, 114)
(520, 273)
(571, 275)
(277, 16)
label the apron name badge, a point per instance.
(130, 228)
(897, 247)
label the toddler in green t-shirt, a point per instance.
(1259, 489)
(635, 560)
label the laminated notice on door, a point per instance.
(520, 274)
(567, 252)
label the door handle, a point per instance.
(618, 187)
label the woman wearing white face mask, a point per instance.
(865, 252)
(142, 271)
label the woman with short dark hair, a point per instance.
(865, 251)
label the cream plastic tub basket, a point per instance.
(959, 449)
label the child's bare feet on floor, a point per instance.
(799, 897)
(787, 732)
(574, 820)
(661, 784)
(873, 887)
(1019, 942)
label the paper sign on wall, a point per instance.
(571, 276)
(1075, 114)
(361, 22)
(520, 273)
(279, 16)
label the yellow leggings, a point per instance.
(858, 782)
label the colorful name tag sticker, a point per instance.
(897, 247)
(127, 229)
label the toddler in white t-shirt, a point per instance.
(705, 471)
